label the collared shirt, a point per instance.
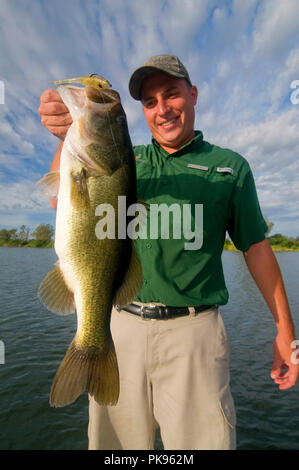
(208, 190)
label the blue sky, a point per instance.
(243, 55)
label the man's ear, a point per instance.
(194, 94)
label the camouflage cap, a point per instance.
(170, 64)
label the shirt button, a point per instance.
(148, 245)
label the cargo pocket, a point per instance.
(227, 407)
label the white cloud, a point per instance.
(9, 136)
(275, 24)
(23, 196)
(272, 143)
(242, 55)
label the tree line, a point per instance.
(278, 242)
(41, 236)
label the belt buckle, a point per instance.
(141, 312)
(192, 312)
(161, 316)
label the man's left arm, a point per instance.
(265, 271)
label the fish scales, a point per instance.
(97, 166)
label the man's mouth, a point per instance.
(169, 123)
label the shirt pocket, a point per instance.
(210, 184)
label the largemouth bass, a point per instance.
(97, 165)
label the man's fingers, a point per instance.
(282, 378)
(61, 130)
(55, 115)
(287, 383)
(51, 104)
(58, 131)
(64, 119)
(58, 125)
(50, 95)
(53, 108)
(285, 378)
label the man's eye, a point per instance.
(149, 104)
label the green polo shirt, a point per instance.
(216, 185)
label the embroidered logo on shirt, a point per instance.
(198, 167)
(225, 170)
(139, 159)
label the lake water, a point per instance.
(35, 341)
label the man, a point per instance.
(171, 343)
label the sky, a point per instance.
(243, 55)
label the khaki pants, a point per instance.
(173, 374)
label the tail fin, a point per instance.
(89, 370)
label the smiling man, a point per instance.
(168, 105)
(171, 343)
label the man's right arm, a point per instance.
(56, 117)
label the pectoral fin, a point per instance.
(79, 189)
(55, 294)
(49, 183)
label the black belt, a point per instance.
(157, 312)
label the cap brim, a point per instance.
(140, 74)
(137, 78)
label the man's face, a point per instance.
(168, 105)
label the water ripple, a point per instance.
(36, 341)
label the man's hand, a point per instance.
(265, 270)
(55, 114)
(285, 372)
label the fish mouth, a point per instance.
(73, 97)
(97, 95)
(91, 109)
(102, 96)
(100, 100)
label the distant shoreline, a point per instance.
(274, 248)
(228, 246)
(32, 244)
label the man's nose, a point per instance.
(163, 106)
